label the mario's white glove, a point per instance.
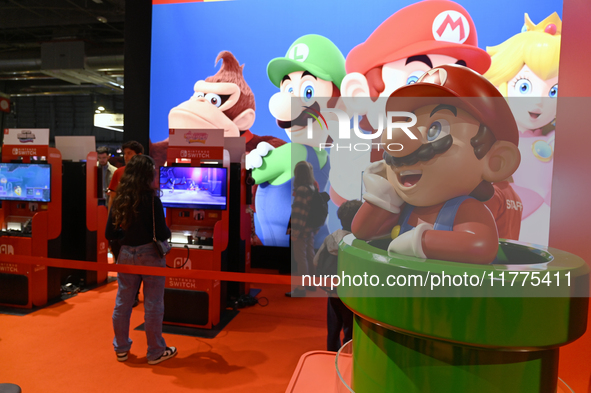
(254, 159)
(411, 242)
(378, 190)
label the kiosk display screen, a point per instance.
(194, 187)
(25, 182)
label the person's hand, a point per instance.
(379, 191)
(411, 242)
(254, 159)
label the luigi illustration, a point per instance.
(309, 78)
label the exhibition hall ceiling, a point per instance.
(61, 47)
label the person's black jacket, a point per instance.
(140, 230)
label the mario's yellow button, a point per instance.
(395, 232)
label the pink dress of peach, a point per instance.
(533, 184)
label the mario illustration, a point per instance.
(429, 33)
(311, 71)
(431, 191)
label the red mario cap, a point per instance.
(439, 27)
(462, 87)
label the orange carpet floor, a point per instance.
(67, 347)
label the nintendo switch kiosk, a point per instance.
(25, 224)
(203, 191)
(49, 209)
(505, 340)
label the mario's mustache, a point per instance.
(424, 153)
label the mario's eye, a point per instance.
(437, 130)
(523, 86)
(199, 94)
(307, 91)
(414, 77)
(553, 93)
(214, 99)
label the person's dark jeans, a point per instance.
(115, 248)
(144, 255)
(338, 317)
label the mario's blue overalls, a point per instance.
(445, 218)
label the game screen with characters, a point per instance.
(25, 182)
(194, 187)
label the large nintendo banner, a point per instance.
(221, 64)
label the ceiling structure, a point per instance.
(61, 47)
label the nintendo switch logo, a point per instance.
(451, 26)
(196, 137)
(102, 248)
(179, 263)
(6, 249)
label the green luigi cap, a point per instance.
(313, 53)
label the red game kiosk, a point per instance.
(49, 209)
(205, 200)
(30, 216)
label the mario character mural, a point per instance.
(430, 33)
(431, 191)
(222, 101)
(525, 69)
(427, 34)
(311, 72)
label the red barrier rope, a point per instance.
(148, 270)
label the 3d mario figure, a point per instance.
(308, 77)
(406, 45)
(431, 190)
(428, 34)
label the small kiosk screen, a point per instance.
(194, 187)
(25, 182)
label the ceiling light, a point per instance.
(97, 111)
(101, 108)
(102, 19)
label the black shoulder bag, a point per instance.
(162, 246)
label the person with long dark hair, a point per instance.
(135, 215)
(302, 235)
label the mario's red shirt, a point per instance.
(506, 207)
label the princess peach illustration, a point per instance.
(525, 69)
